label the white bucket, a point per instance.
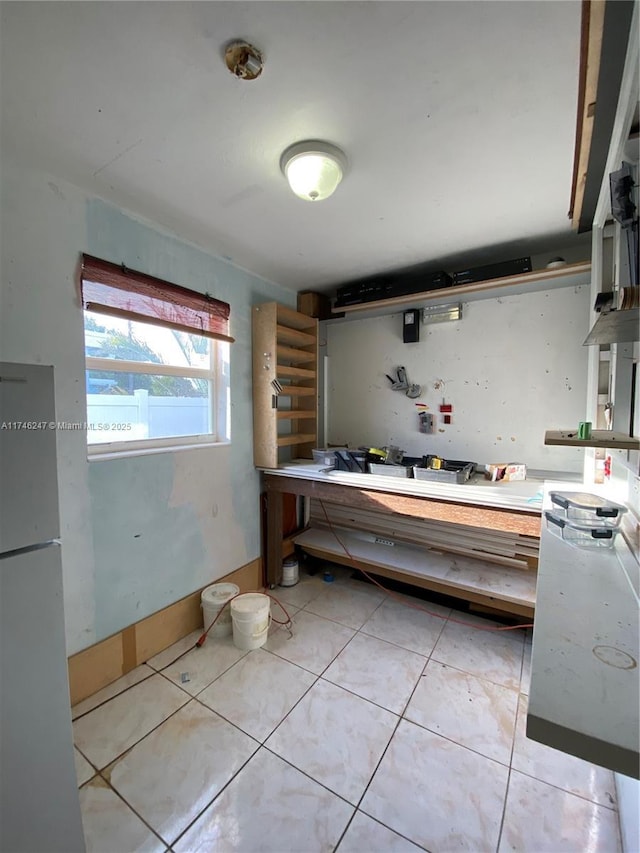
(289, 572)
(251, 617)
(212, 600)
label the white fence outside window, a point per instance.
(139, 416)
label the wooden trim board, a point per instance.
(592, 30)
(535, 280)
(472, 515)
(94, 668)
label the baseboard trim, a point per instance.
(97, 666)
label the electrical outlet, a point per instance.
(379, 540)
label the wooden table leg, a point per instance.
(274, 537)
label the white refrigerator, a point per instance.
(39, 805)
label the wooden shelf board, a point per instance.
(571, 274)
(599, 438)
(296, 414)
(458, 575)
(295, 337)
(301, 372)
(297, 356)
(293, 319)
(297, 391)
(295, 438)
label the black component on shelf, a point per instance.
(390, 285)
(489, 271)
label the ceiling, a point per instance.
(458, 120)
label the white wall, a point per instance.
(137, 533)
(512, 368)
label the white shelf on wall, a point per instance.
(571, 275)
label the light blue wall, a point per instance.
(137, 533)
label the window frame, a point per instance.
(219, 385)
(110, 290)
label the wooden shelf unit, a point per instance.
(569, 275)
(285, 354)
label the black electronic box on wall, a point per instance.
(411, 326)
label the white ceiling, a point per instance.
(458, 119)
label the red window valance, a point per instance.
(121, 292)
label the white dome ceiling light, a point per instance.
(314, 169)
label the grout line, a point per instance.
(146, 735)
(426, 655)
(515, 690)
(380, 760)
(220, 792)
(194, 695)
(253, 737)
(227, 720)
(457, 743)
(345, 830)
(281, 657)
(513, 746)
(115, 696)
(391, 829)
(357, 696)
(130, 807)
(311, 778)
(354, 630)
(328, 619)
(286, 660)
(611, 808)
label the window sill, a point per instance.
(97, 454)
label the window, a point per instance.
(152, 381)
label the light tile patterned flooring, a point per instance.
(374, 727)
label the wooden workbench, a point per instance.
(500, 510)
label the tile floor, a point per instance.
(372, 727)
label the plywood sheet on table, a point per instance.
(505, 548)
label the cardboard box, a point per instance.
(515, 471)
(314, 304)
(507, 471)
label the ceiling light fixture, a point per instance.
(314, 169)
(244, 60)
